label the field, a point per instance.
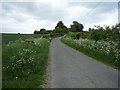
(12, 37)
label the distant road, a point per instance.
(71, 69)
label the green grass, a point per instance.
(106, 59)
(24, 63)
(25, 59)
(13, 37)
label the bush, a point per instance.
(78, 35)
(105, 33)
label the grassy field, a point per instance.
(12, 37)
(24, 61)
(102, 51)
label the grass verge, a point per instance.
(24, 63)
(101, 57)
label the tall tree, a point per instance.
(77, 27)
(36, 32)
(61, 28)
(60, 25)
(43, 31)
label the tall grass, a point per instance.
(24, 63)
(106, 52)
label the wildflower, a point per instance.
(8, 45)
(16, 77)
(12, 67)
(3, 67)
(106, 47)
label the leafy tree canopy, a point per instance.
(76, 27)
(60, 28)
(43, 31)
(60, 25)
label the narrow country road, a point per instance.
(71, 69)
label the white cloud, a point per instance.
(27, 17)
(108, 18)
(12, 26)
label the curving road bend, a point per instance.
(71, 69)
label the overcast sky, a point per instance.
(25, 17)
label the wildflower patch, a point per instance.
(24, 63)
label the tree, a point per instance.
(43, 31)
(60, 28)
(36, 32)
(60, 25)
(76, 27)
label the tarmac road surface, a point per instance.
(72, 69)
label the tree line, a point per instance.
(76, 31)
(61, 28)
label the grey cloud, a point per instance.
(84, 4)
(95, 15)
(39, 10)
(7, 6)
(45, 11)
(97, 9)
(100, 6)
(106, 7)
(19, 8)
